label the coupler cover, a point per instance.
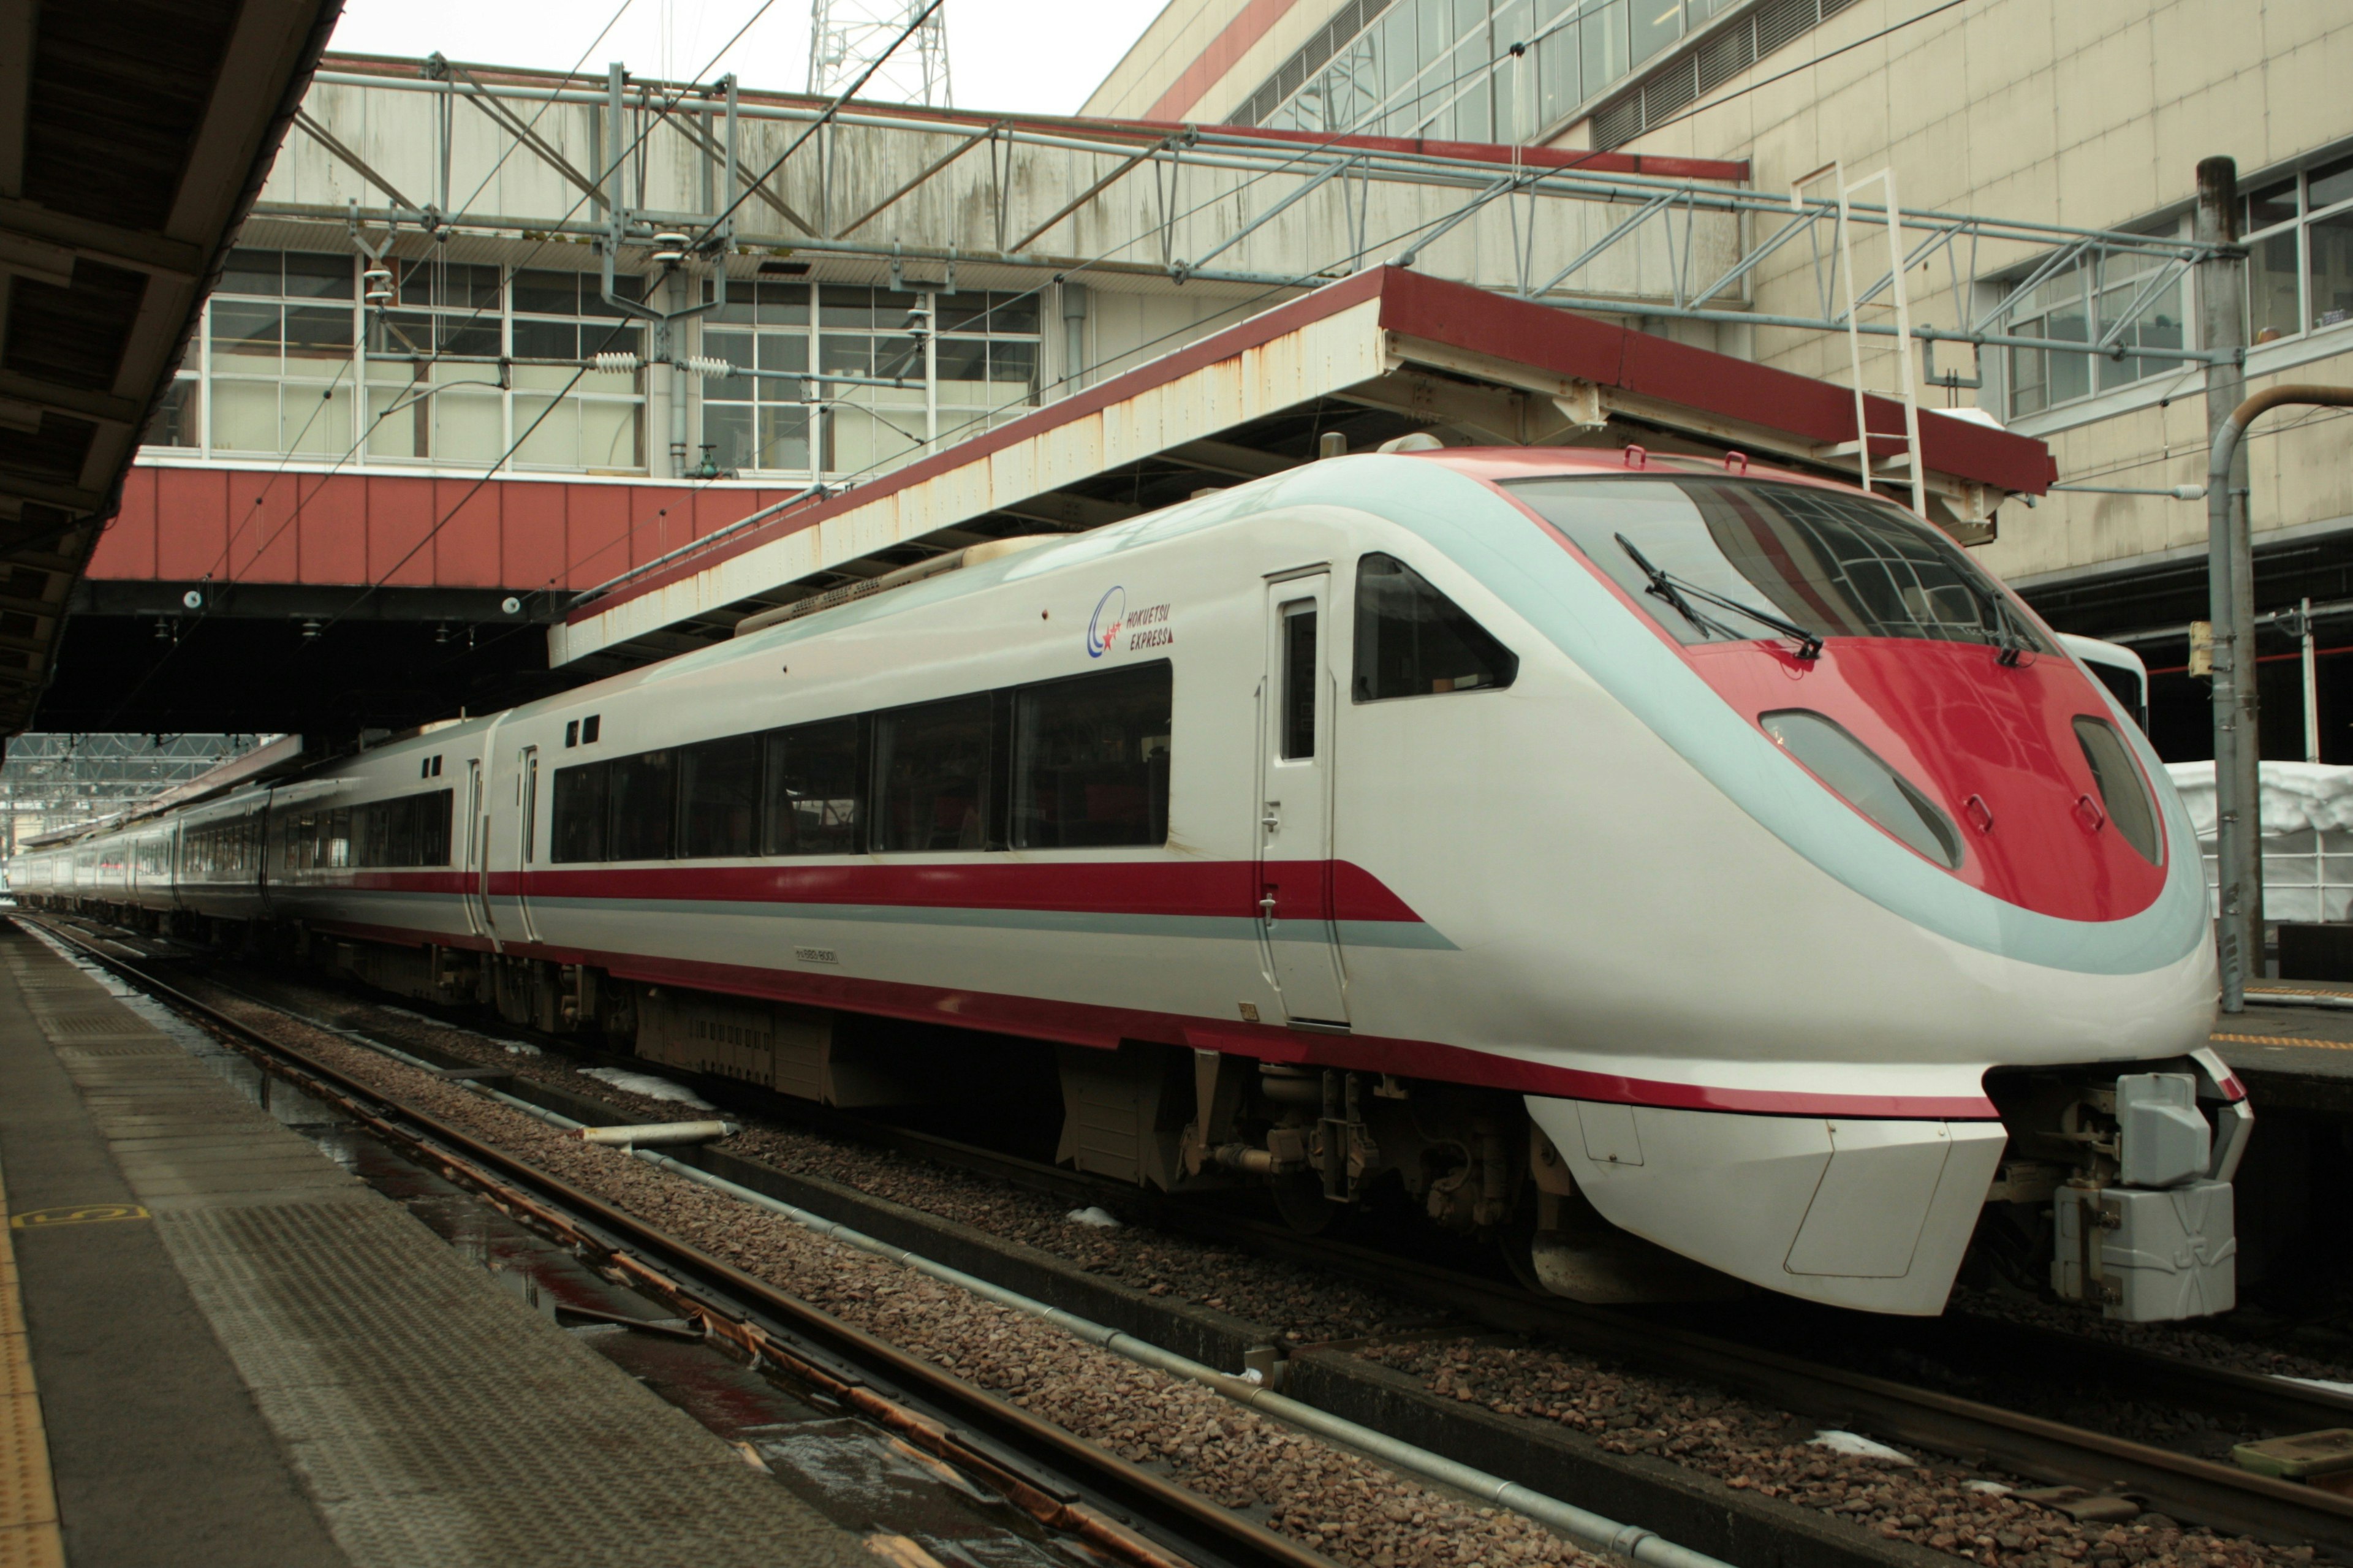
(2146, 1256)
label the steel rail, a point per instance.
(990, 1437)
(2201, 1490)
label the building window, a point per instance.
(2084, 302)
(279, 349)
(2299, 242)
(924, 367)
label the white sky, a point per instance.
(1039, 57)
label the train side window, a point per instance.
(1299, 679)
(812, 790)
(571, 733)
(590, 728)
(578, 832)
(932, 773)
(1414, 641)
(639, 803)
(718, 795)
(1091, 759)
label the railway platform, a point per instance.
(218, 1346)
(2293, 1057)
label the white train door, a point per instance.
(476, 877)
(527, 819)
(1294, 826)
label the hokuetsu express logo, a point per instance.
(1147, 627)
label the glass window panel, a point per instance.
(315, 333)
(2027, 393)
(468, 335)
(810, 787)
(735, 349)
(783, 304)
(964, 313)
(546, 340)
(1657, 24)
(315, 277)
(861, 438)
(317, 421)
(468, 426)
(1413, 641)
(406, 332)
(247, 334)
(727, 431)
(1012, 313)
(1837, 565)
(2274, 306)
(252, 272)
(962, 359)
(637, 806)
(2158, 325)
(610, 434)
(1602, 33)
(719, 791)
(843, 305)
(840, 355)
(178, 420)
(1514, 76)
(784, 438)
(1299, 682)
(2331, 255)
(592, 294)
(1556, 74)
(2328, 184)
(1091, 760)
(902, 357)
(547, 293)
(1012, 365)
(245, 415)
(786, 352)
(2272, 204)
(932, 766)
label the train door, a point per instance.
(527, 820)
(1294, 825)
(476, 873)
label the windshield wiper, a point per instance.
(2008, 635)
(1679, 592)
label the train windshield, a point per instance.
(1829, 563)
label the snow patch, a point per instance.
(645, 1083)
(1100, 1218)
(2324, 1384)
(1991, 1488)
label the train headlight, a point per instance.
(2124, 793)
(1857, 775)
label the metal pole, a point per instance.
(2239, 891)
(2311, 684)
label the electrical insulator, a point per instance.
(670, 249)
(615, 360)
(712, 369)
(376, 286)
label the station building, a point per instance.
(2089, 117)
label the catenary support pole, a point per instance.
(2222, 302)
(2238, 855)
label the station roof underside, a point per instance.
(133, 138)
(1376, 356)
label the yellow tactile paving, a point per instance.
(28, 1501)
(2285, 1040)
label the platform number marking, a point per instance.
(75, 1214)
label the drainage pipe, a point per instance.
(2239, 855)
(647, 1133)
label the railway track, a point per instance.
(1068, 1485)
(2219, 1496)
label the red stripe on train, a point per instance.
(1083, 1023)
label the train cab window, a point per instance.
(812, 790)
(719, 798)
(1413, 641)
(932, 769)
(1299, 679)
(639, 798)
(578, 831)
(1091, 760)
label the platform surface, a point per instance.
(232, 1352)
(2292, 1057)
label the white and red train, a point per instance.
(1651, 863)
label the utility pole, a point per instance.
(2230, 589)
(847, 37)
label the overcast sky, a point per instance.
(1040, 56)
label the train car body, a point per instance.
(1660, 864)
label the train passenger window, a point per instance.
(1412, 640)
(932, 766)
(1299, 679)
(1091, 759)
(812, 790)
(638, 801)
(719, 793)
(578, 831)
